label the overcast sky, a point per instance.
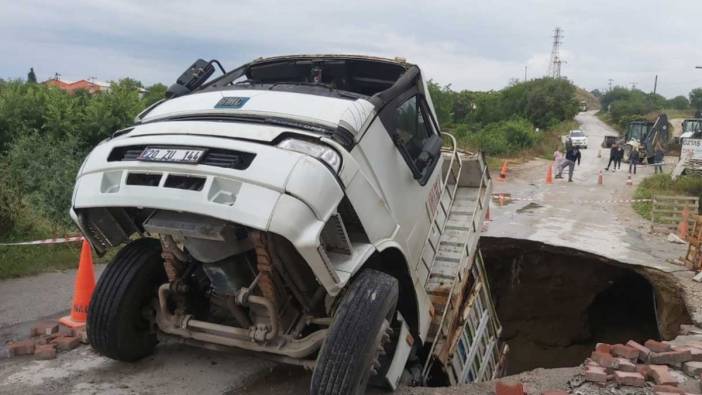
(476, 45)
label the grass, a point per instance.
(26, 260)
(662, 184)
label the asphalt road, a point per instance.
(582, 214)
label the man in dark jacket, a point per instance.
(634, 159)
(618, 159)
(613, 153)
(572, 155)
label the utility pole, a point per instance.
(655, 85)
(554, 68)
(633, 85)
(610, 84)
(525, 73)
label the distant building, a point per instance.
(91, 85)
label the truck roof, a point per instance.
(352, 76)
(315, 92)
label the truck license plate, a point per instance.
(171, 155)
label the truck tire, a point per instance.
(117, 326)
(347, 356)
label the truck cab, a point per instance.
(300, 207)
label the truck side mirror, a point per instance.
(192, 78)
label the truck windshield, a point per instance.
(577, 134)
(692, 125)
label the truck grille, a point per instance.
(229, 159)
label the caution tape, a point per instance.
(508, 197)
(59, 240)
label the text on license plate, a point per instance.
(171, 155)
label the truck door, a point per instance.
(403, 147)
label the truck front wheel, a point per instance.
(118, 326)
(355, 337)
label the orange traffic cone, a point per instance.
(600, 178)
(83, 291)
(549, 175)
(503, 170)
(683, 225)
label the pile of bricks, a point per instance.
(634, 365)
(46, 339)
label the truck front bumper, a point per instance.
(283, 192)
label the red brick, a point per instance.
(603, 347)
(644, 352)
(620, 350)
(509, 389)
(656, 346)
(694, 351)
(644, 370)
(626, 365)
(65, 343)
(22, 347)
(629, 378)
(668, 388)
(45, 328)
(661, 375)
(595, 374)
(604, 360)
(45, 351)
(555, 392)
(670, 357)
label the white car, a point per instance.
(577, 138)
(298, 207)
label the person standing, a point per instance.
(557, 159)
(633, 159)
(658, 159)
(613, 153)
(572, 156)
(619, 157)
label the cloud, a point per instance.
(470, 44)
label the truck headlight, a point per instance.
(319, 151)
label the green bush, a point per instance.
(44, 135)
(505, 137)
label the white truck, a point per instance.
(575, 138)
(301, 208)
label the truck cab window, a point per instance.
(412, 129)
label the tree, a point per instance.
(154, 93)
(696, 99)
(679, 103)
(31, 77)
(596, 92)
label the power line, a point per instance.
(554, 68)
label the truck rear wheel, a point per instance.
(355, 336)
(117, 325)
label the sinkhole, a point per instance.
(556, 303)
